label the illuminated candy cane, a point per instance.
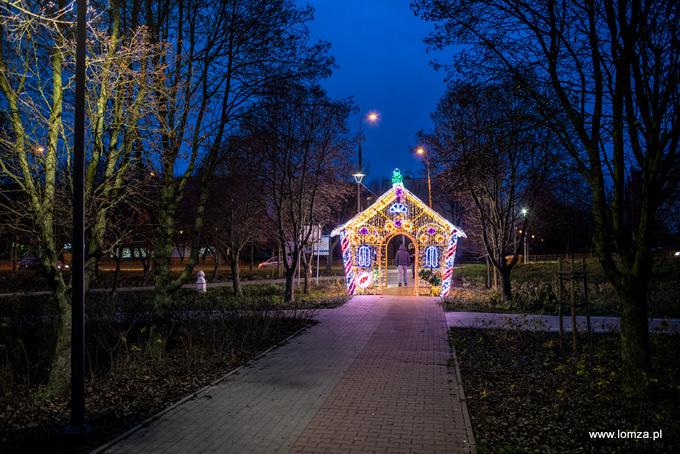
(347, 259)
(450, 257)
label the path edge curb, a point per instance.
(463, 399)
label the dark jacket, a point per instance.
(402, 258)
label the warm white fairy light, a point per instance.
(397, 212)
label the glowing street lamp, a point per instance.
(360, 174)
(429, 185)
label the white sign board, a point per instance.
(323, 246)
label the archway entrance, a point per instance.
(389, 251)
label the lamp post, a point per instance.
(524, 212)
(429, 185)
(360, 174)
(77, 422)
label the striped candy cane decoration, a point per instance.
(347, 259)
(450, 257)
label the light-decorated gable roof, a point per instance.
(398, 210)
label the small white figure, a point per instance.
(200, 282)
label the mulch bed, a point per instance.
(30, 424)
(525, 394)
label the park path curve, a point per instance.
(372, 376)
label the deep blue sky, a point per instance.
(378, 46)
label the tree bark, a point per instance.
(60, 370)
(218, 262)
(635, 348)
(116, 274)
(234, 258)
(506, 283)
(289, 293)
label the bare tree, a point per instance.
(234, 216)
(224, 54)
(36, 83)
(496, 156)
(605, 76)
(299, 149)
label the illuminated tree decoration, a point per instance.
(398, 208)
(397, 179)
(432, 257)
(364, 256)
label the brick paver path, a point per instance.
(371, 377)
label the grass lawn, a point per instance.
(535, 290)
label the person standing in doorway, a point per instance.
(412, 257)
(402, 260)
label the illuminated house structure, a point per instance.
(365, 237)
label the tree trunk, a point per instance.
(236, 272)
(289, 293)
(15, 248)
(635, 349)
(506, 284)
(146, 264)
(308, 277)
(495, 279)
(116, 274)
(160, 316)
(60, 372)
(218, 262)
(488, 272)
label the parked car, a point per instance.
(272, 262)
(32, 263)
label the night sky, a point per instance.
(378, 46)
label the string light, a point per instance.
(432, 257)
(364, 258)
(365, 237)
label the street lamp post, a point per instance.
(77, 424)
(524, 212)
(360, 174)
(429, 184)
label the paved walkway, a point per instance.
(371, 377)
